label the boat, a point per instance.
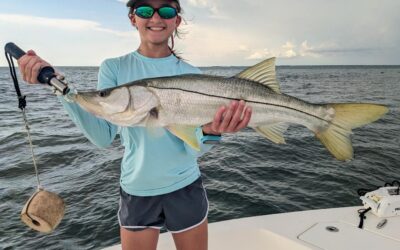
(330, 229)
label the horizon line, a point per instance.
(227, 66)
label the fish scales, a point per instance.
(185, 102)
(193, 99)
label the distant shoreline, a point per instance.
(278, 66)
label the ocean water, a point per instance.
(246, 175)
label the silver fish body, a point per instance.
(194, 99)
(181, 103)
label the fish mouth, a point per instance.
(86, 97)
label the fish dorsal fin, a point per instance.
(186, 133)
(273, 132)
(264, 73)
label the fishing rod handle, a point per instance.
(45, 75)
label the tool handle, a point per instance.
(14, 50)
(45, 74)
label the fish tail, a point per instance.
(336, 137)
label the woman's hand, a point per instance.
(30, 65)
(229, 119)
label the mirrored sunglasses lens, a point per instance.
(167, 12)
(144, 11)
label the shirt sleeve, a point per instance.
(99, 131)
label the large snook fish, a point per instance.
(182, 103)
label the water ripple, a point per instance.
(246, 175)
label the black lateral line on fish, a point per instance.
(229, 98)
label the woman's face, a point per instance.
(156, 30)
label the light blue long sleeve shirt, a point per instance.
(155, 161)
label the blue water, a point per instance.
(245, 176)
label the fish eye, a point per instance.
(103, 93)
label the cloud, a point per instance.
(67, 41)
(210, 45)
(260, 54)
(205, 4)
(291, 50)
(327, 49)
(243, 47)
(207, 45)
(58, 23)
(306, 50)
(287, 50)
(209, 5)
(362, 33)
(227, 33)
(345, 50)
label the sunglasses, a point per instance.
(165, 12)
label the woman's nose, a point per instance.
(156, 16)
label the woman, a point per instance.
(160, 181)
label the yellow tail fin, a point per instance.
(336, 137)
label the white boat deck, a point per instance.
(300, 230)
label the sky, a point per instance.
(216, 32)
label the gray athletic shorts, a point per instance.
(177, 211)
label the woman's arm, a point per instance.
(98, 131)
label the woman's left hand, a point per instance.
(229, 119)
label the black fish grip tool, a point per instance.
(46, 75)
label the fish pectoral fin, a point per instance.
(264, 73)
(273, 132)
(186, 133)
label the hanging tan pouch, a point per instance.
(43, 211)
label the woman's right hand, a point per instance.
(30, 65)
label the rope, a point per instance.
(22, 105)
(31, 147)
(362, 213)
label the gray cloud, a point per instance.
(240, 32)
(356, 31)
(344, 51)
